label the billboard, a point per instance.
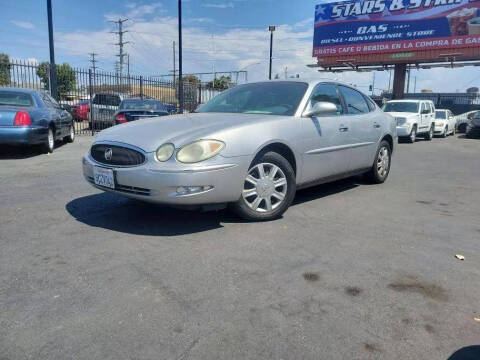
(394, 26)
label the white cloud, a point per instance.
(218, 5)
(23, 24)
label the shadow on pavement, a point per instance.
(467, 353)
(114, 212)
(8, 152)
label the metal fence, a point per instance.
(92, 97)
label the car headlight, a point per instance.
(199, 151)
(401, 120)
(165, 152)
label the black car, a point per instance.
(135, 109)
(473, 126)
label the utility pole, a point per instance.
(120, 43)
(180, 60)
(373, 82)
(415, 85)
(53, 67)
(271, 28)
(93, 61)
(286, 72)
(128, 65)
(408, 81)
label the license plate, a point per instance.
(103, 177)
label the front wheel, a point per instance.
(445, 132)
(429, 135)
(381, 167)
(413, 135)
(268, 189)
(71, 134)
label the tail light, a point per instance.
(121, 119)
(22, 118)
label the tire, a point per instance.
(429, 135)
(70, 138)
(413, 135)
(49, 144)
(261, 198)
(380, 170)
(445, 132)
(454, 131)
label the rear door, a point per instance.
(364, 129)
(425, 117)
(326, 150)
(53, 112)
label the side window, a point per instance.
(371, 105)
(356, 103)
(432, 109)
(328, 93)
(424, 107)
(46, 100)
(53, 101)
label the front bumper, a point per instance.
(158, 182)
(22, 135)
(439, 129)
(404, 130)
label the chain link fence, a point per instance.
(93, 97)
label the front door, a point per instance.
(326, 145)
(365, 128)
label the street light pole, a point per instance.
(53, 67)
(271, 28)
(180, 60)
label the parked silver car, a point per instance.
(251, 147)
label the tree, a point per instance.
(66, 78)
(4, 69)
(191, 79)
(221, 83)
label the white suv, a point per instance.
(413, 117)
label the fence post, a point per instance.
(90, 93)
(199, 93)
(141, 87)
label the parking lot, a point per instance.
(352, 271)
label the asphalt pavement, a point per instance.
(352, 271)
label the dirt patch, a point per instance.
(425, 202)
(310, 276)
(353, 291)
(429, 328)
(372, 347)
(412, 284)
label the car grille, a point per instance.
(126, 189)
(120, 156)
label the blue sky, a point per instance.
(223, 35)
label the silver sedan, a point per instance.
(251, 147)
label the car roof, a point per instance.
(16, 89)
(441, 109)
(408, 100)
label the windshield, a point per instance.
(142, 105)
(105, 99)
(404, 106)
(15, 98)
(440, 114)
(269, 98)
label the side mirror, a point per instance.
(65, 107)
(321, 108)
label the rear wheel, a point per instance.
(381, 167)
(268, 190)
(429, 135)
(49, 143)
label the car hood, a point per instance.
(149, 134)
(402, 114)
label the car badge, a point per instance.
(108, 154)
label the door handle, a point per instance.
(343, 128)
(376, 125)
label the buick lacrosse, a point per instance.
(251, 147)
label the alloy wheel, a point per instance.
(265, 187)
(413, 135)
(51, 140)
(383, 162)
